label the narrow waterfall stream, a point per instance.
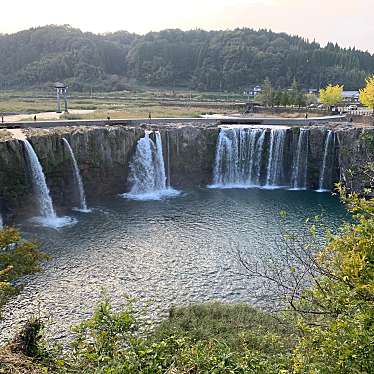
(40, 185)
(47, 213)
(325, 179)
(147, 175)
(300, 163)
(168, 182)
(159, 165)
(77, 179)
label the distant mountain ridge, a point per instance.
(196, 59)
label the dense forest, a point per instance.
(197, 59)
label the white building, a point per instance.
(254, 91)
(351, 96)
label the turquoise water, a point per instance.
(167, 252)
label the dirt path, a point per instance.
(42, 116)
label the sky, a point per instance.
(347, 22)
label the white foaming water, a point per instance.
(238, 157)
(274, 174)
(327, 164)
(147, 171)
(1, 222)
(54, 223)
(48, 215)
(78, 180)
(300, 163)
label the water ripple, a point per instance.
(163, 253)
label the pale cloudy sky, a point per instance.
(348, 22)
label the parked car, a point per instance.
(352, 107)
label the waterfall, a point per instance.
(47, 213)
(77, 179)
(238, 157)
(147, 175)
(275, 161)
(227, 158)
(40, 185)
(159, 165)
(1, 222)
(325, 178)
(300, 162)
(168, 152)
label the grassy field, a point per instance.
(136, 104)
(22, 106)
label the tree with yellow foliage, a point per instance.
(367, 93)
(331, 95)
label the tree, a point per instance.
(205, 60)
(266, 97)
(311, 99)
(331, 95)
(329, 290)
(339, 335)
(367, 93)
(300, 99)
(285, 100)
(294, 93)
(17, 258)
(277, 98)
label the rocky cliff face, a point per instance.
(189, 154)
(15, 184)
(104, 154)
(356, 154)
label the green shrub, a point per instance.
(17, 258)
(339, 334)
(210, 338)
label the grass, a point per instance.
(124, 104)
(42, 101)
(232, 323)
(156, 111)
(201, 338)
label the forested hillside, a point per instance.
(214, 60)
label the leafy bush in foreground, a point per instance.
(209, 338)
(17, 258)
(339, 331)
